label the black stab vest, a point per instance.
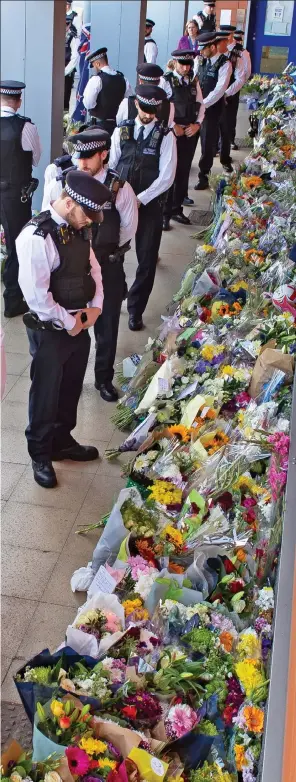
(139, 162)
(148, 40)
(208, 77)
(111, 95)
(162, 114)
(16, 164)
(105, 236)
(184, 99)
(71, 284)
(208, 23)
(69, 38)
(234, 56)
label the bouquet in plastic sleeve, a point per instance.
(98, 625)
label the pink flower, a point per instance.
(249, 502)
(139, 567)
(113, 622)
(181, 719)
(78, 760)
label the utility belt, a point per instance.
(26, 191)
(32, 321)
(117, 256)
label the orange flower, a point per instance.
(254, 718)
(174, 568)
(251, 181)
(240, 757)
(226, 640)
(181, 431)
(241, 555)
(64, 722)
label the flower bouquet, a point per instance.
(99, 623)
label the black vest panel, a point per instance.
(162, 114)
(208, 23)
(71, 284)
(105, 236)
(139, 162)
(148, 40)
(233, 57)
(16, 164)
(69, 38)
(208, 76)
(111, 95)
(184, 99)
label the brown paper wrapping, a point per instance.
(123, 739)
(269, 361)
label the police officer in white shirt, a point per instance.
(150, 46)
(54, 179)
(104, 91)
(214, 74)
(231, 97)
(149, 73)
(61, 280)
(238, 37)
(144, 154)
(110, 242)
(71, 60)
(20, 149)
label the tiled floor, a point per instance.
(39, 548)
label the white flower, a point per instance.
(265, 599)
(145, 582)
(52, 776)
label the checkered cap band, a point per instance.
(83, 200)
(149, 101)
(80, 146)
(97, 57)
(10, 91)
(187, 57)
(148, 78)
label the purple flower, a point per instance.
(116, 754)
(266, 646)
(202, 366)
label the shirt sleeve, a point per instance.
(115, 151)
(171, 120)
(222, 84)
(199, 99)
(128, 89)
(247, 64)
(97, 276)
(239, 75)
(36, 258)
(167, 170)
(126, 205)
(165, 85)
(122, 113)
(74, 57)
(150, 52)
(31, 141)
(92, 89)
(52, 191)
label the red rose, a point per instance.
(129, 711)
(229, 567)
(250, 517)
(93, 763)
(228, 713)
(236, 586)
(225, 501)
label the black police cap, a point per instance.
(90, 194)
(184, 56)
(13, 88)
(150, 72)
(150, 23)
(98, 54)
(150, 97)
(90, 141)
(206, 39)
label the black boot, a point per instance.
(188, 201)
(180, 218)
(44, 474)
(166, 224)
(13, 310)
(76, 453)
(107, 390)
(202, 184)
(134, 323)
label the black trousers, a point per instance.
(209, 140)
(148, 239)
(225, 140)
(107, 325)
(57, 373)
(69, 81)
(186, 147)
(232, 110)
(13, 216)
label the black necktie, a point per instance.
(140, 138)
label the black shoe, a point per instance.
(44, 474)
(107, 391)
(234, 146)
(76, 453)
(166, 224)
(202, 184)
(134, 323)
(188, 201)
(13, 311)
(180, 218)
(228, 169)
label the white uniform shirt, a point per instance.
(224, 75)
(199, 98)
(126, 205)
(167, 160)
(239, 76)
(247, 63)
(30, 139)
(74, 56)
(52, 188)
(150, 51)
(38, 258)
(94, 86)
(122, 113)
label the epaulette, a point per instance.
(39, 221)
(27, 119)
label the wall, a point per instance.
(232, 5)
(119, 25)
(169, 25)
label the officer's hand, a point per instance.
(192, 129)
(178, 130)
(78, 326)
(92, 315)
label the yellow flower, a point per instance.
(132, 605)
(227, 370)
(240, 757)
(208, 248)
(165, 492)
(250, 675)
(106, 763)
(254, 718)
(249, 646)
(92, 746)
(240, 284)
(181, 430)
(174, 534)
(57, 708)
(209, 351)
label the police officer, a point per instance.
(20, 149)
(237, 80)
(71, 14)
(148, 73)
(206, 19)
(238, 39)
(144, 154)
(214, 74)
(54, 179)
(104, 91)
(189, 114)
(61, 280)
(110, 242)
(150, 46)
(71, 60)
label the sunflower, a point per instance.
(180, 431)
